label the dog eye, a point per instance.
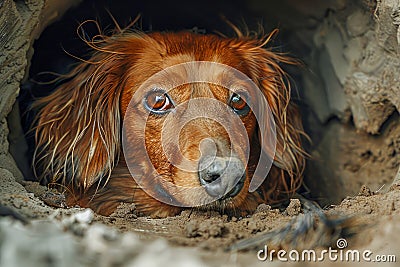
(158, 101)
(239, 105)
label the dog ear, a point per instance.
(77, 128)
(273, 82)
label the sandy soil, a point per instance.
(192, 238)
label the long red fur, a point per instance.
(78, 127)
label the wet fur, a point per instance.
(78, 127)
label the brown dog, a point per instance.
(80, 128)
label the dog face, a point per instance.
(177, 135)
(183, 139)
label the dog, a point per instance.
(80, 131)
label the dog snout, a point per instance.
(222, 177)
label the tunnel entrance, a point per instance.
(344, 87)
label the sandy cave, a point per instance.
(348, 90)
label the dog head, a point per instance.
(184, 108)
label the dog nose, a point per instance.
(221, 176)
(213, 171)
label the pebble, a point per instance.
(263, 208)
(294, 207)
(365, 191)
(85, 216)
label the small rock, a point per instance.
(186, 213)
(191, 229)
(365, 191)
(85, 216)
(78, 222)
(54, 199)
(263, 208)
(294, 207)
(125, 210)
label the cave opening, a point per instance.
(330, 38)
